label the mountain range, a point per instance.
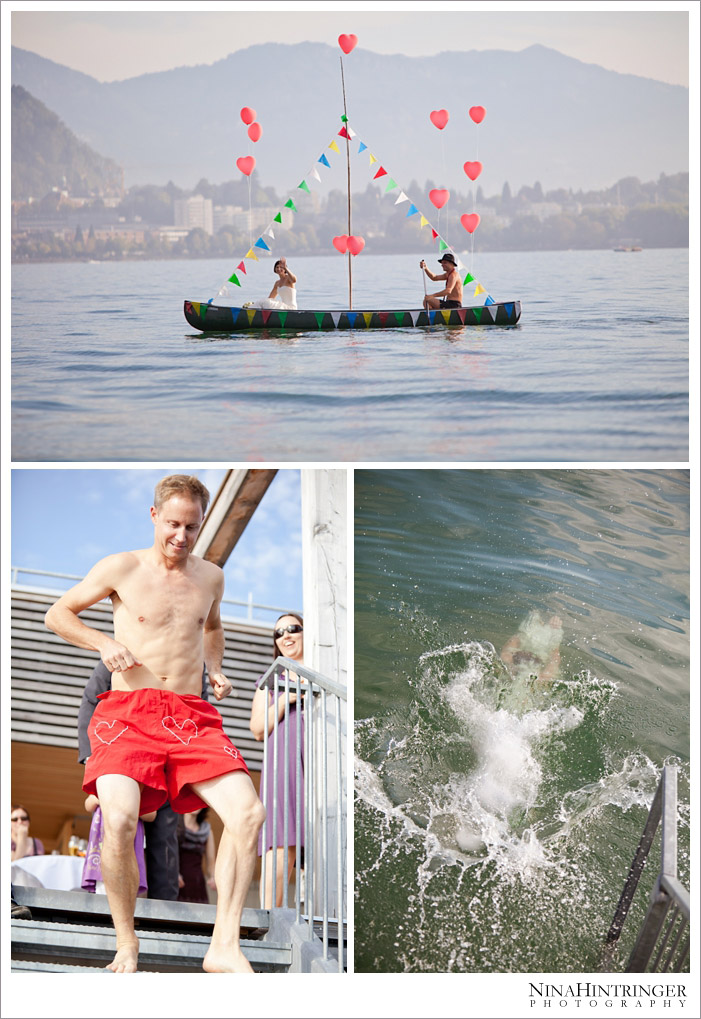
(549, 118)
(46, 154)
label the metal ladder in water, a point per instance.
(662, 944)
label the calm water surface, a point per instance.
(496, 816)
(106, 368)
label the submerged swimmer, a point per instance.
(534, 650)
(532, 657)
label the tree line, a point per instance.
(652, 214)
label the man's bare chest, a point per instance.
(174, 602)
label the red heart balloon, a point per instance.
(440, 118)
(470, 221)
(347, 42)
(439, 196)
(477, 113)
(356, 245)
(341, 243)
(246, 164)
(254, 132)
(248, 115)
(473, 170)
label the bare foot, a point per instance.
(226, 960)
(126, 957)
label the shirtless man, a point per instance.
(452, 292)
(166, 623)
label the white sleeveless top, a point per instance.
(288, 296)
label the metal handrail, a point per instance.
(249, 604)
(312, 758)
(667, 894)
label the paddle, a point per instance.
(423, 277)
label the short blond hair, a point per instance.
(181, 484)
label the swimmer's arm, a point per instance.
(102, 581)
(507, 652)
(552, 668)
(214, 643)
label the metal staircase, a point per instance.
(72, 932)
(662, 944)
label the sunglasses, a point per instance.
(292, 628)
(23, 818)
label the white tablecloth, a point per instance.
(61, 872)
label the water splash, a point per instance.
(473, 826)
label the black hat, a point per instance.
(448, 258)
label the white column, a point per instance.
(324, 573)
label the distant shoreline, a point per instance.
(324, 254)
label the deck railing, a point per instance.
(662, 944)
(311, 741)
(249, 604)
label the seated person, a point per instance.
(452, 292)
(283, 296)
(22, 842)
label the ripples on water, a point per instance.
(105, 366)
(496, 813)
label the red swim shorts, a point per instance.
(161, 739)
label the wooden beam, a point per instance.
(233, 506)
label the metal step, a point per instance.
(25, 966)
(154, 914)
(35, 940)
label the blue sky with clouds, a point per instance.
(65, 520)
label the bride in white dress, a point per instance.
(283, 296)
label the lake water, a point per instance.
(496, 816)
(105, 366)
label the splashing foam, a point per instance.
(489, 812)
(491, 804)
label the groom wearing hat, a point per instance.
(451, 295)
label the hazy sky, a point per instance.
(65, 520)
(121, 43)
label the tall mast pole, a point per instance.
(350, 230)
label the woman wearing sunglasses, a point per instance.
(22, 842)
(288, 641)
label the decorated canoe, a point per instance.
(213, 318)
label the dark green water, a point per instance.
(496, 815)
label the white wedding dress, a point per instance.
(286, 300)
